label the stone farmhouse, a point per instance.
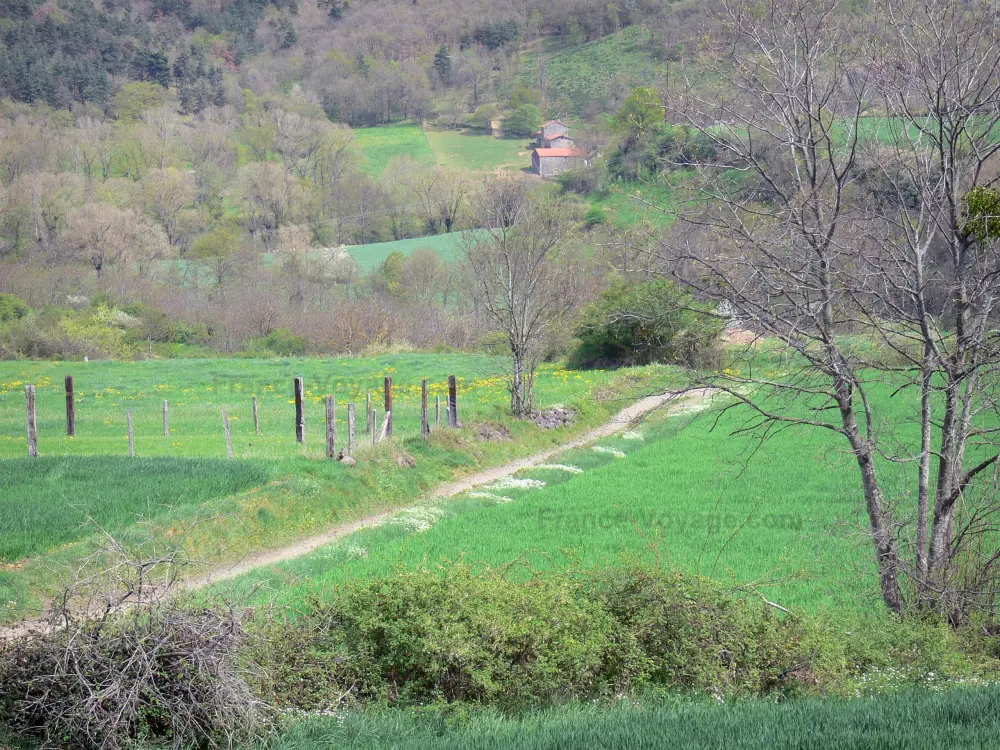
(555, 151)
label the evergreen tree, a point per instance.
(442, 64)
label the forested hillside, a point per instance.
(368, 61)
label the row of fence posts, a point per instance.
(378, 434)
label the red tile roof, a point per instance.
(558, 152)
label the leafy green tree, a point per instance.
(641, 112)
(525, 120)
(136, 98)
(652, 321)
(217, 250)
(390, 273)
(524, 95)
(12, 308)
(484, 116)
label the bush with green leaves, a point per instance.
(12, 308)
(484, 638)
(645, 322)
(282, 342)
(660, 148)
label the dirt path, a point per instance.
(444, 491)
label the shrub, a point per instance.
(652, 321)
(282, 342)
(12, 308)
(694, 636)
(419, 637)
(595, 216)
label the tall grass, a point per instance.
(51, 501)
(920, 720)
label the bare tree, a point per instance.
(520, 280)
(102, 235)
(851, 191)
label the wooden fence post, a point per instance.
(373, 426)
(70, 407)
(452, 402)
(387, 430)
(229, 435)
(368, 412)
(437, 411)
(29, 397)
(166, 419)
(300, 415)
(425, 422)
(385, 426)
(350, 429)
(131, 434)
(256, 417)
(331, 427)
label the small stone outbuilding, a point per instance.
(549, 162)
(551, 131)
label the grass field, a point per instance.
(919, 720)
(198, 390)
(181, 491)
(625, 203)
(381, 144)
(477, 152)
(48, 502)
(369, 257)
(784, 516)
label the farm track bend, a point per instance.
(620, 421)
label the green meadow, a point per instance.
(477, 152)
(910, 720)
(369, 257)
(380, 145)
(197, 391)
(180, 491)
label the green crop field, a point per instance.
(380, 145)
(783, 517)
(912, 720)
(369, 257)
(477, 152)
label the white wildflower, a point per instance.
(568, 468)
(515, 483)
(492, 496)
(418, 518)
(610, 451)
(355, 552)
